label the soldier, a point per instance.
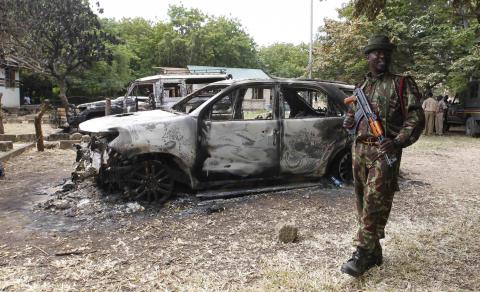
(395, 99)
(430, 106)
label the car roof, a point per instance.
(332, 87)
(181, 76)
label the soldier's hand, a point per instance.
(387, 146)
(349, 120)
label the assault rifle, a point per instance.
(372, 120)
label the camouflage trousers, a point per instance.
(374, 186)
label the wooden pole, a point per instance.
(2, 130)
(108, 106)
(38, 125)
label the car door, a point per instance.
(240, 134)
(309, 137)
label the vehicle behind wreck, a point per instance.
(146, 93)
(228, 132)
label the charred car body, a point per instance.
(227, 132)
(151, 92)
(87, 111)
(166, 89)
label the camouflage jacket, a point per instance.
(404, 126)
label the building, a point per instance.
(10, 82)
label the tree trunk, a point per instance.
(2, 130)
(62, 84)
(38, 126)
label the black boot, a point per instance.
(362, 260)
(377, 253)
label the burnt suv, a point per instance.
(95, 109)
(225, 133)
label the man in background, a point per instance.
(439, 115)
(430, 108)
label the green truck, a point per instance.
(465, 109)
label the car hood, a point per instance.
(104, 124)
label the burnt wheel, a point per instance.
(342, 166)
(150, 181)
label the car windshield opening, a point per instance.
(197, 98)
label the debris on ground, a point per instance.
(85, 200)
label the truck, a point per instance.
(465, 109)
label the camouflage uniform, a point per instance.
(376, 182)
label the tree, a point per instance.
(56, 37)
(432, 42)
(223, 42)
(192, 37)
(284, 60)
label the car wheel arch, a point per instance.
(341, 159)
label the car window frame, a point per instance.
(202, 111)
(299, 86)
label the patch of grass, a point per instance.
(432, 257)
(442, 142)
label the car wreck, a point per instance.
(146, 93)
(87, 111)
(229, 132)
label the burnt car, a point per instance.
(90, 110)
(166, 89)
(229, 132)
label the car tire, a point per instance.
(341, 166)
(151, 181)
(471, 127)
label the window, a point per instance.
(222, 110)
(197, 98)
(256, 103)
(9, 77)
(244, 104)
(308, 103)
(296, 102)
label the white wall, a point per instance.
(11, 95)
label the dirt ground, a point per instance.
(55, 236)
(27, 128)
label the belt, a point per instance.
(370, 141)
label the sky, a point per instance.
(267, 21)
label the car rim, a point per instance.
(150, 181)
(345, 167)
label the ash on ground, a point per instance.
(84, 200)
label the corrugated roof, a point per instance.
(237, 73)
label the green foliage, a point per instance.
(105, 78)
(56, 37)
(188, 37)
(223, 42)
(284, 60)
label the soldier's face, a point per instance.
(378, 61)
